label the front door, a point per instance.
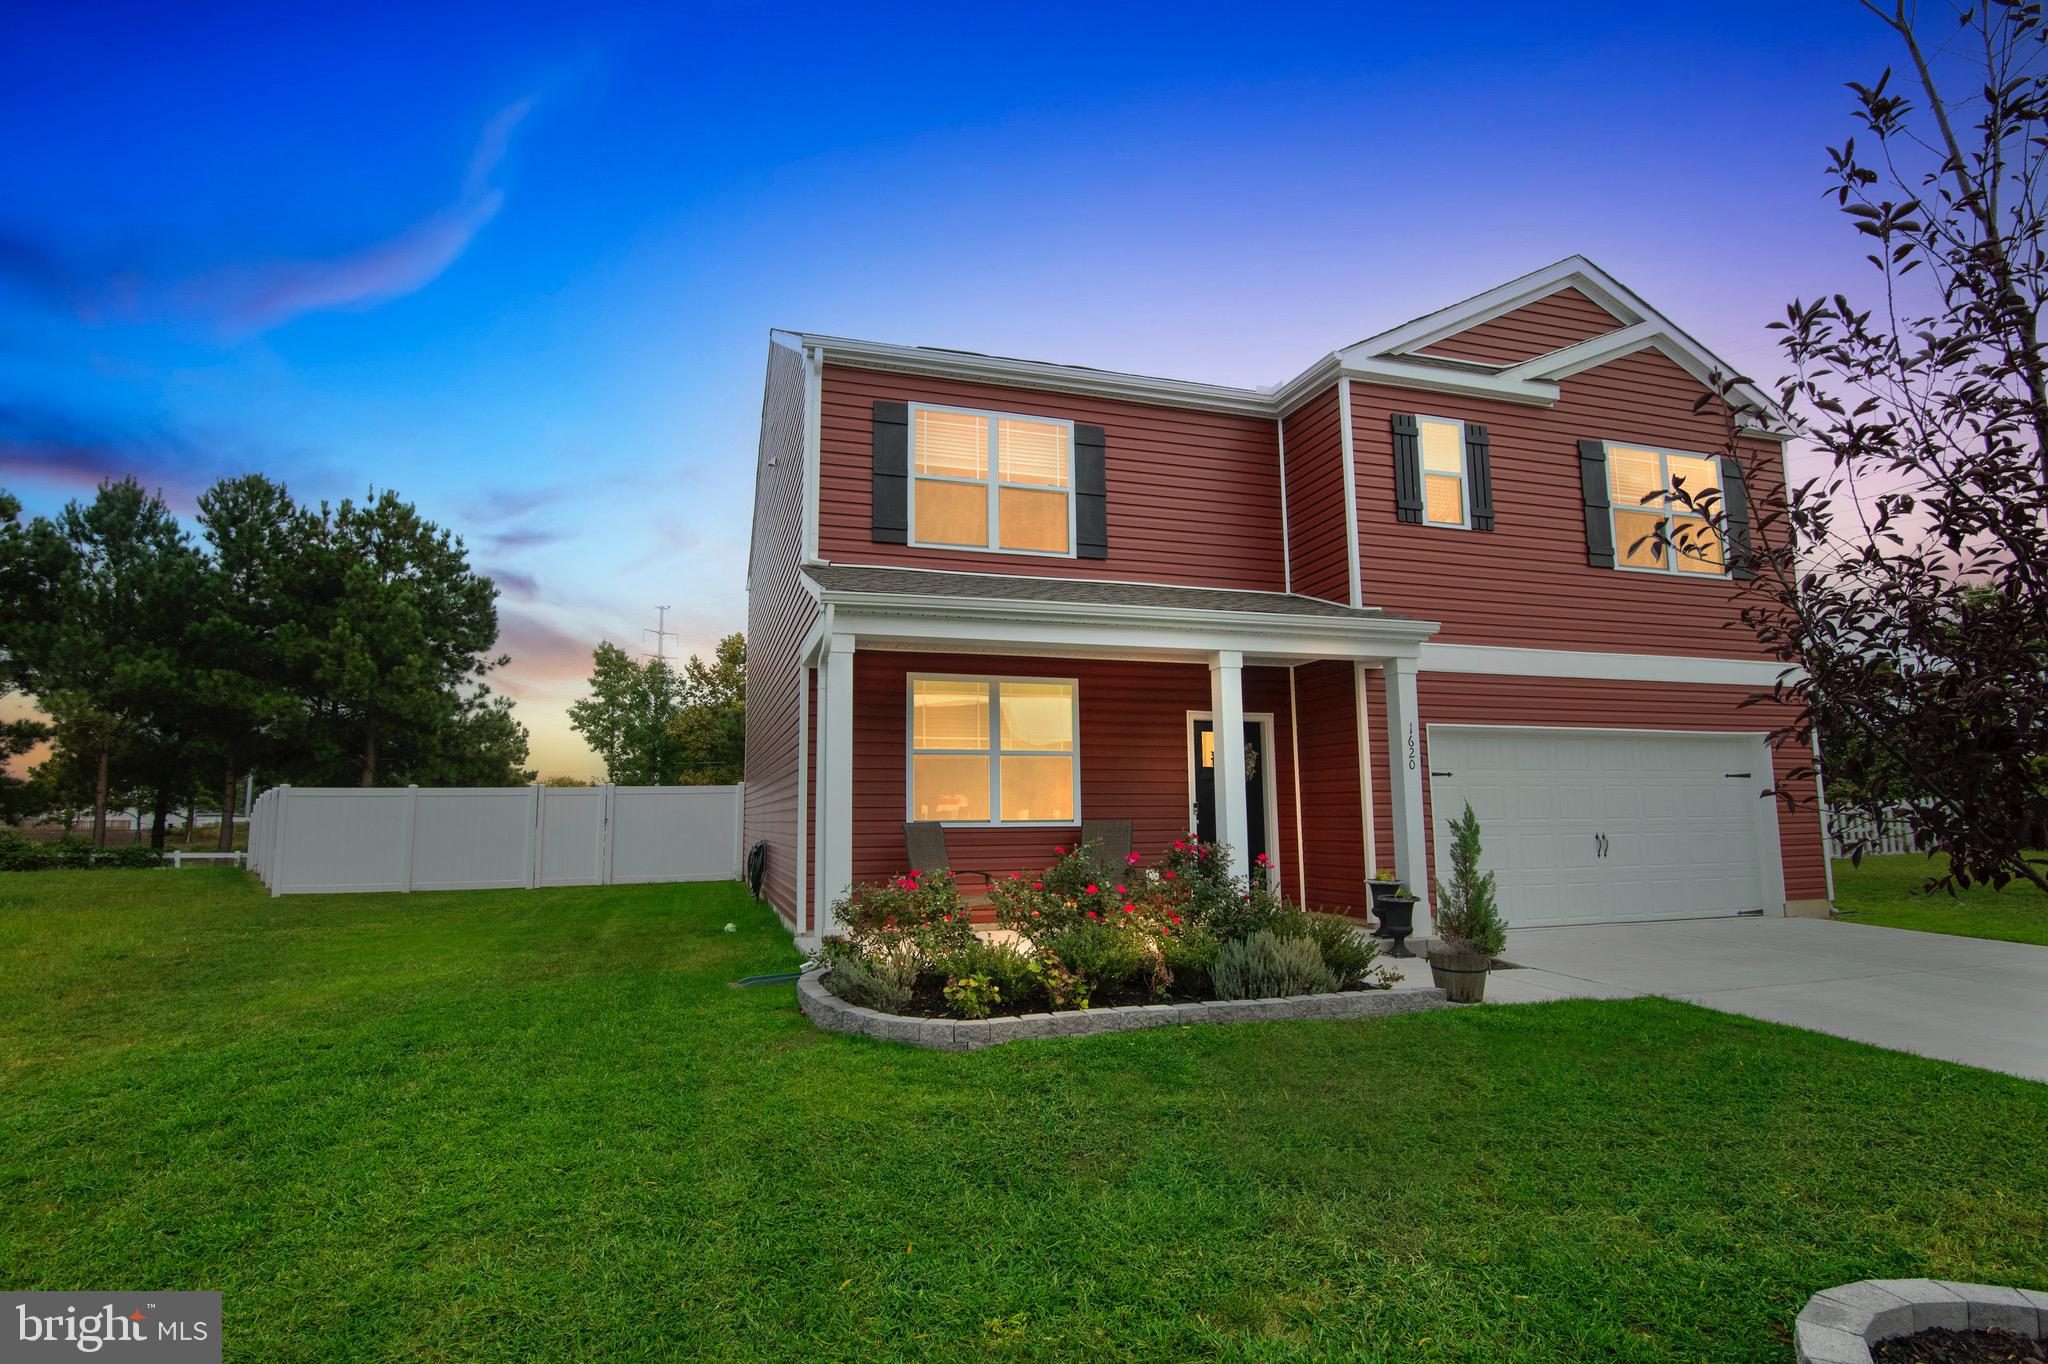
(1204, 763)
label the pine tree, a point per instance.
(1466, 909)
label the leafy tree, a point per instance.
(18, 797)
(399, 625)
(99, 602)
(629, 718)
(1907, 584)
(711, 727)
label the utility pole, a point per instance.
(662, 634)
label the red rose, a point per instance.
(1166, 875)
(1091, 887)
(1128, 909)
(1093, 915)
(1038, 885)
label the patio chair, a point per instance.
(925, 841)
(1112, 840)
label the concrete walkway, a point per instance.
(1960, 999)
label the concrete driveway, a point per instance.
(1960, 999)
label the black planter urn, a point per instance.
(1395, 910)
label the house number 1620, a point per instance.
(1411, 746)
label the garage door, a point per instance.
(1607, 826)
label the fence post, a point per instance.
(277, 863)
(534, 829)
(412, 830)
(604, 869)
(739, 830)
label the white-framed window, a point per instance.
(994, 750)
(1446, 483)
(1648, 523)
(991, 480)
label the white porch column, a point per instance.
(1226, 708)
(1404, 785)
(835, 778)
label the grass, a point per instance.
(537, 1125)
(1887, 891)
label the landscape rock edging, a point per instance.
(1839, 1325)
(834, 1014)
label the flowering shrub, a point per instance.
(1089, 936)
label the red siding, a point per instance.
(1317, 537)
(1194, 497)
(1331, 818)
(779, 614)
(1552, 323)
(1133, 754)
(1448, 698)
(1527, 582)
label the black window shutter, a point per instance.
(1593, 487)
(1735, 514)
(1091, 494)
(892, 473)
(1479, 475)
(1407, 469)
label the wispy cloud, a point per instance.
(248, 297)
(547, 661)
(77, 454)
(517, 586)
(518, 538)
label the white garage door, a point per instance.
(1606, 826)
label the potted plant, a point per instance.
(1394, 909)
(1468, 921)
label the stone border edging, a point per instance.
(1839, 1325)
(834, 1014)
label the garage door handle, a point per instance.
(1600, 845)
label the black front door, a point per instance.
(1254, 785)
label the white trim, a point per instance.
(1294, 751)
(1361, 695)
(1345, 438)
(1286, 543)
(800, 909)
(814, 423)
(1572, 271)
(1447, 378)
(1040, 374)
(994, 752)
(1266, 720)
(1770, 844)
(1503, 661)
(992, 481)
(1405, 777)
(1463, 475)
(835, 781)
(1581, 356)
(1820, 799)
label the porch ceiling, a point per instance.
(901, 608)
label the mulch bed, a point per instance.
(1940, 1345)
(928, 1000)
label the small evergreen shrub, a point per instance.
(1004, 966)
(1265, 966)
(1466, 911)
(884, 981)
(1348, 953)
(1106, 957)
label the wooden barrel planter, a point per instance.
(1460, 973)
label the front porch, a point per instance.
(1277, 724)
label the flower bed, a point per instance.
(1182, 931)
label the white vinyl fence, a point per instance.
(318, 839)
(1893, 834)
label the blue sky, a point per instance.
(520, 262)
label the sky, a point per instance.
(520, 263)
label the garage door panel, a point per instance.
(1681, 833)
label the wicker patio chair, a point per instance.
(1112, 840)
(925, 841)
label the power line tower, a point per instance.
(662, 634)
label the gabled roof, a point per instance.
(1394, 357)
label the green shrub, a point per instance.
(21, 854)
(920, 912)
(1106, 956)
(72, 852)
(1466, 911)
(1265, 966)
(1004, 965)
(972, 996)
(884, 981)
(1348, 953)
(1189, 952)
(135, 855)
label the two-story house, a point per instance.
(1310, 621)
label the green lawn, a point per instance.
(1887, 891)
(537, 1125)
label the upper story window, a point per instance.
(994, 750)
(1653, 532)
(986, 480)
(1446, 489)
